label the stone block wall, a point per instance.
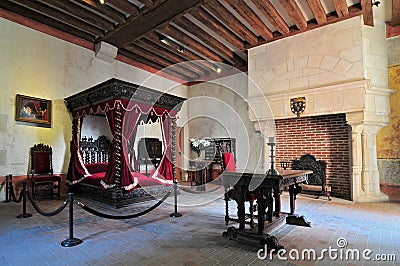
(327, 138)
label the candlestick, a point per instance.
(272, 170)
(271, 140)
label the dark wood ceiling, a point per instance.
(163, 33)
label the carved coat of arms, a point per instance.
(298, 105)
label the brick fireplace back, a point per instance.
(327, 137)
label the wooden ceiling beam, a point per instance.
(318, 11)
(341, 8)
(248, 14)
(167, 54)
(234, 23)
(188, 54)
(155, 66)
(161, 61)
(57, 15)
(80, 12)
(154, 17)
(42, 19)
(140, 59)
(295, 13)
(395, 13)
(146, 2)
(124, 6)
(103, 9)
(210, 22)
(191, 43)
(148, 55)
(269, 11)
(220, 48)
(368, 15)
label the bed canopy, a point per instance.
(125, 106)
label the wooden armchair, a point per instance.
(44, 182)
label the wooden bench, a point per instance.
(317, 180)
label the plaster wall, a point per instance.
(35, 64)
(388, 138)
(218, 109)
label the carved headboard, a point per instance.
(95, 151)
(308, 162)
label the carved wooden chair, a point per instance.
(44, 182)
(317, 180)
(228, 164)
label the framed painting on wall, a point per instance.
(33, 110)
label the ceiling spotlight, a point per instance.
(218, 70)
(102, 2)
(164, 40)
(376, 3)
(181, 49)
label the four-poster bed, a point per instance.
(125, 106)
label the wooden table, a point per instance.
(266, 186)
(200, 173)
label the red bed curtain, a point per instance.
(166, 166)
(129, 125)
(76, 168)
(131, 114)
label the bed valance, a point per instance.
(125, 106)
(105, 96)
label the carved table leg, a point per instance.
(277, 196)
(292, 218)
(261, 209)
(270, 205)
(226, 197)
(240, 205)
(292, 199)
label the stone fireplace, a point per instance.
(341, 70)
(339, 125)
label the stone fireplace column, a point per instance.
(370, 172)
(356, 158)
(364, 171)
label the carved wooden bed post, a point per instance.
(173, 147)
(118, 154)
(175, 214)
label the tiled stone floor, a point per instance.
(196, 237)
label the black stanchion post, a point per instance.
(176, 213)
(71, 241)
(8, 184)
(24, 214)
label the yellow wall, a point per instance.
(388, 139)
